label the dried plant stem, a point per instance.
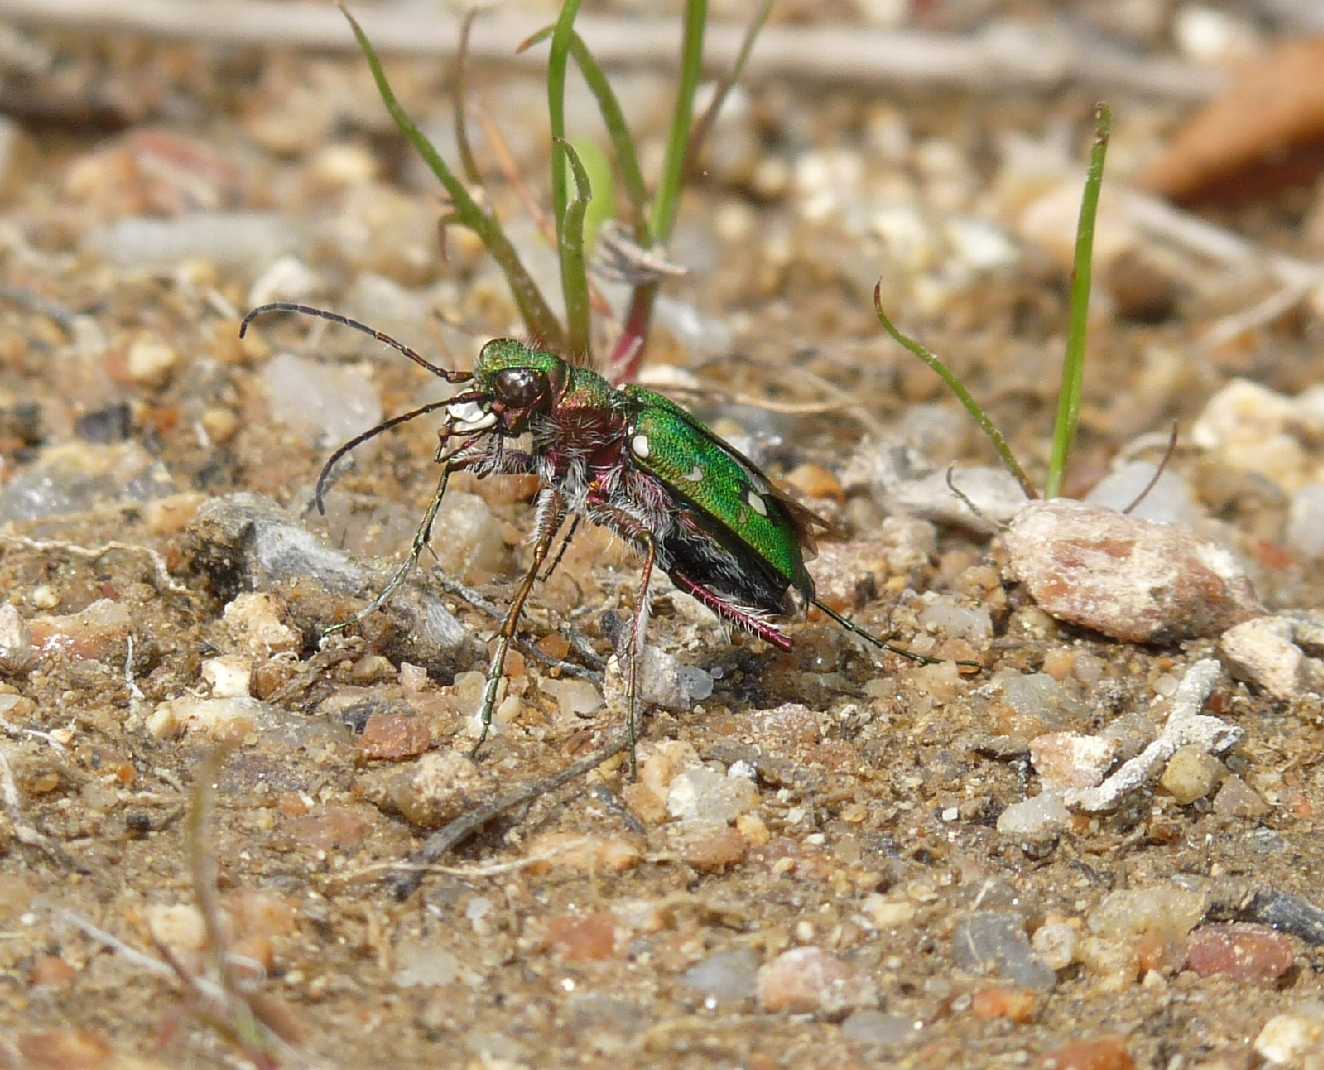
(829, 53)
(459, 830)
(95, 553)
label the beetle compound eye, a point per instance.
(519, 387)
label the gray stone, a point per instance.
(995, 942)
(725, 976)
(877, 1027)
(247, 542)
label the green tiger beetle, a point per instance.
(627, 459)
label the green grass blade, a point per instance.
(467, 160)
(667, 202)
(574, 274)
(1073, 363)
(613, 118)
(602, 181)
(705, 124)
(980, 417)
(539, 319)
(622, 142)
(557, 61)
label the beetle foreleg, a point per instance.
(421, 537)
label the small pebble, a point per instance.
(706, 795)
(437, 788)
(172, 514)
(1018, 1005)
(472, 546)
(1264, 652)
(94, 633)
(1129, 579)
(664, 680)
(708, 846)
(574, 698)
(325, 402)
(428, 964)
(64, 1049)
(1100, 1053)
(256, 620)
(808, 980)
(17, 654)
(815, 481)
(945, 615)
(871, 1026)
(1250, 954)
(1286, 1039)
(286, 279)
(1114, 965)
(229, 676)
(1071, 760)
(887, 913)
(150, 361)
(1191, 774)
(393, 736)
(223, 719)
(1171, 501)
(586, 854)
(1305, 522)
(591, 938)
(1167, 909)
(243, 240)
(220, 423)
(1247, 426)
(342, 164)
(995, 941)
(43, 597)
(1037, 818)
(725, 976)
(1238, 799)
(666, 760)
(335, 828)
(178, 926)
(51, 971)
(1055, 943)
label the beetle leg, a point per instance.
(421, 537)
(565, 545)
(636, 648)
(629, 527)
(551, 511)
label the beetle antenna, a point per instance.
(336, 317)
(324, 477)
(869, 637)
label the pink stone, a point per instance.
(807, 980)
(1135, 580)
(393, 735)
(1243, 952)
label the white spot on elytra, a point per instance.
(695, 475)
(640, 445)
(756, 503)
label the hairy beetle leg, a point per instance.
(550, 513)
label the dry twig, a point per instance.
(1006, 59)
(459, 830)
(95, 553)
